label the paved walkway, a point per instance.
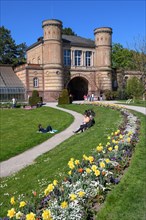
(19, 162)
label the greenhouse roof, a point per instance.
(8, 79)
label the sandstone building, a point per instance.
(57, 61)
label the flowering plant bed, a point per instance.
(88, 180)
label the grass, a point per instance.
(140, 103)
(19, 126)
(128, 199)
(53, 165)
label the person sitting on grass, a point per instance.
(87, 122)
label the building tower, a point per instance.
(103, 49)
(52, 59)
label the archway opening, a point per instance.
(78, 87)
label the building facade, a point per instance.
(58, 61)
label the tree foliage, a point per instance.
(10, 53)
(134, 87)
(68, 31)
(122, 57)
(129, 59)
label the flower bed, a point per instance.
(88, 181)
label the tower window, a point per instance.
(35, 82)
(67, 57)
(78, 54)
(88, 58)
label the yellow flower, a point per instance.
(113, 141)
(77, 162)
(97, 172)
(108, 137)
(120, 136)
(22, 204)
(88, 170)
(71, 164)
(81, 194)
(107, 160)
(108, 143)
(99, 148)
(110, 148)
(116, 147)
(128, 139)
(116, 133)
(49, 189)
(85, 157)
(11, 213)
(72, 197)
(69, 172)
(102, 164)
(55, 182)
(64, 205)
(12, 201)
(129, 133)
(94, 167)
(91, 159)
(19, 215)
(30, 216)
(46, 215)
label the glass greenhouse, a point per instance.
(10, 85)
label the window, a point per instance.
(67, 57)
(35, 82)
(88, 58)
(78, 54)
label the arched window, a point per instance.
(35, 82)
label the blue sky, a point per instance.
(126, 18)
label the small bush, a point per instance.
(64, 97)
(108, 94)
(35, 99)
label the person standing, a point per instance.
(13, 102)
(92, 97)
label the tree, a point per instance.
(122, 58)
(139, 59)
(10, 53)
(134, 87)
(68, 31)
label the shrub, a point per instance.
(64, 97)
(108, 94)
(135, 88)
(35, 99)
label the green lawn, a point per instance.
(19, 127)
(53, 165)
(140, 103)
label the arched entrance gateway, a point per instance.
(78, 87)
